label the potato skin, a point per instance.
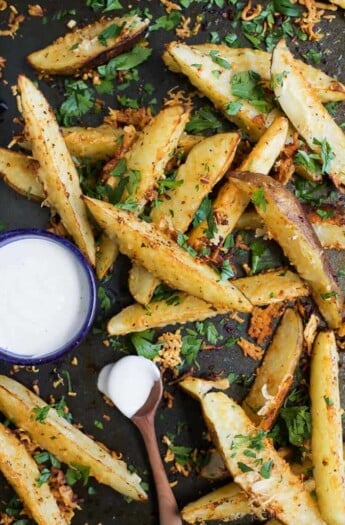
(39, 500)
(81, 49)
(288, 224)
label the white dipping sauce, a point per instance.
(128, 383)
(44, 296)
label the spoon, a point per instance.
(135, 386)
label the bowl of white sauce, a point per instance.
(47, 296)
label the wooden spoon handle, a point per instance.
(168, 510)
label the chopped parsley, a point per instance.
(111, 31)
(142, 342)
(313, 56)
(104, 299)
(105, 5)
(266, 469)
(226, 271)
(326, 154)
(328, 295)
(214, 54)
(44, 477)
(310, 161)
(325, 214)
(164, 293)
(205, 119)
(258, 198)
(77, 472)
(41, 413)
(298, 423)
(182, 240)
(167, 22)
(79, 99)
(205, 213)
(247, 85)
(191, 345)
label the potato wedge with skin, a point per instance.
(261, 289)
(275, 375)
(152, 150)
(106, 255)
(327, 441)
(328, 89)
(163, 257)
(21, 173)
(287, 223)
(307, 114)
(58, 173)
(231, 201)
(206, 164)
(217, 89)
(85, 47)
(229, 502)
(266, 477)
(38, 499)
(65, 441)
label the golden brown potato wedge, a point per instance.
(66, 442)
(58, 173)
(307, 114)
(21, 173)
(275, 375)
(287, 223)
(262, 289)
(106, 255)
(327, 441)
(206, 164)
(21, 471)
(328, 89)
(89, 46)
(152, 150)
(164, 258)
(263, 475)
(231, 201)
(199, 68)
(227, 503)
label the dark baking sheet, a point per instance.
(105, 506)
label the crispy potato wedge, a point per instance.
(58, 173)
(21, 471)
(307, 114)
(287, 223)
(226, 503)
(266, 477)
(327, 441)
(216, 88)
(328, 89)
(21, 173)
(330, 231)
(152, 150)
(88, 46)
(275, 375)
(206, 164)
(163, 257)
(231, 201)
(262, 289)
(106, 255)
(65, 441)
(340, 3)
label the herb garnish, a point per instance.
(78, 101)
(111, 31)
(258, 198)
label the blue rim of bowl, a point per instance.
(89, 317)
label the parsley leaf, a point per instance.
(243, 467)
(247, 85)
(266, 469)
(287, 8)
(205, 213)
(226, 271)
(142, 342)
(167, 22)
(111, 31)
(298, 422)
(182, 240)
(104, 299)
(191, 345)
(77, 472)
(205, 119)
(43, 477)
(326, 153)
(309, 161)
(41, 413)
(164, 293)
(214, 54)
(79, 100)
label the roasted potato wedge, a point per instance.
(261, 289)
(231, 201)
(164, 258)
(275, 375)
(58, 173)
(287, 223)
(152, 150)
(65, 441)
(328, 89)
(327, 441)
(216, 88)
(21, 471)
(206, 164)
(263, 475)
(21, 173)
(106, 255)
(307, 114)
(226, 503)
(89, 46)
